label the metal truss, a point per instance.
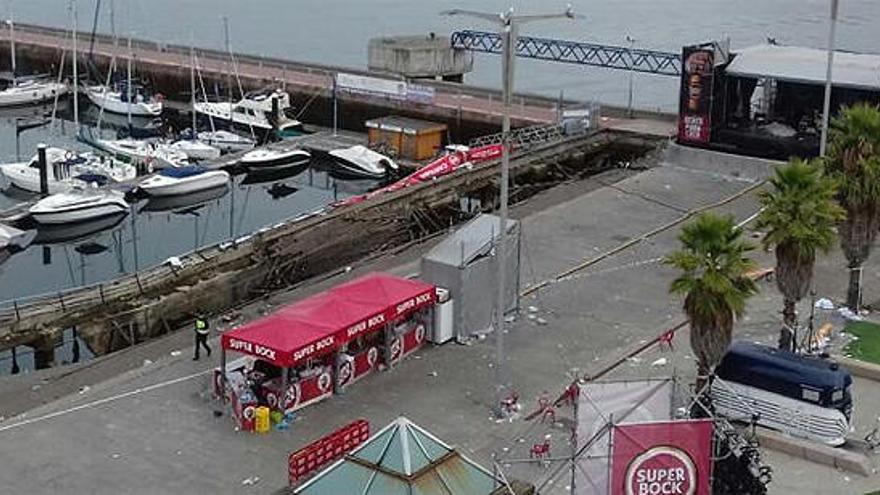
(574, 52)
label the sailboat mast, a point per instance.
(12, 41)
(113, 26)
(75, 68)
(192, 86)
(128, 81)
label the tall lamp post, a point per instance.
(826, 108)
(509, 24)
(632, 66)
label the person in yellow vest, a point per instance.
(201, 329)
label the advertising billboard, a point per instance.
(662, 458)
(695, 100)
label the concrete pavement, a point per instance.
(152, 429)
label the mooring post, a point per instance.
(44, 170)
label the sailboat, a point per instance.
(27, 91)
(126, 97)
(191, 145)
(225, 141)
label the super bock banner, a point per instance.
(663, 458)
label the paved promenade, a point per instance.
(151, 429)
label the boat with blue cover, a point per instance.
(183, 180)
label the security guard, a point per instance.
(201, 328)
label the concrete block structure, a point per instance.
(419, 57)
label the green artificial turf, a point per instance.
(867, 347)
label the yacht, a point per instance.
(361, 161)
(255, 110)
(274, 158)
(183, 180)
(66, 170)
(78, 205)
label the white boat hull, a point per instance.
(31, 93)
(226, 141)
(196, 150)
(61, 177)
(74, 216)
(794, 417)
(159, 185)
(139, 152)
(264, 159)
(78, 207)
(111, 101)
(22, 177)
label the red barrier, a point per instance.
(442, 166)
(305, 461)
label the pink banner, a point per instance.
(444, 165)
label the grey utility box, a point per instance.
(465, 265)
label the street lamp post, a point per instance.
(509, 23)
(826, 108)
(632, 66)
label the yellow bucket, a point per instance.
(261, 420)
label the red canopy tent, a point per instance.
(322, 323)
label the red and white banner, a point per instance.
(663, 458)
(444, 165)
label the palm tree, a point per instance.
(799, 213)
(854, 161)
(714, 283)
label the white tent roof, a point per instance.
(807, 65)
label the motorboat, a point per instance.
(13, 239)
(72, 232)
(184, 202)
(31, 92)
(154, 155)
(362, 161)
(78, 205)
(196, 150)
(255, 110)
(67, 170)
(274, 158)
(226, 141)
(125, 99)
(183, 180)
